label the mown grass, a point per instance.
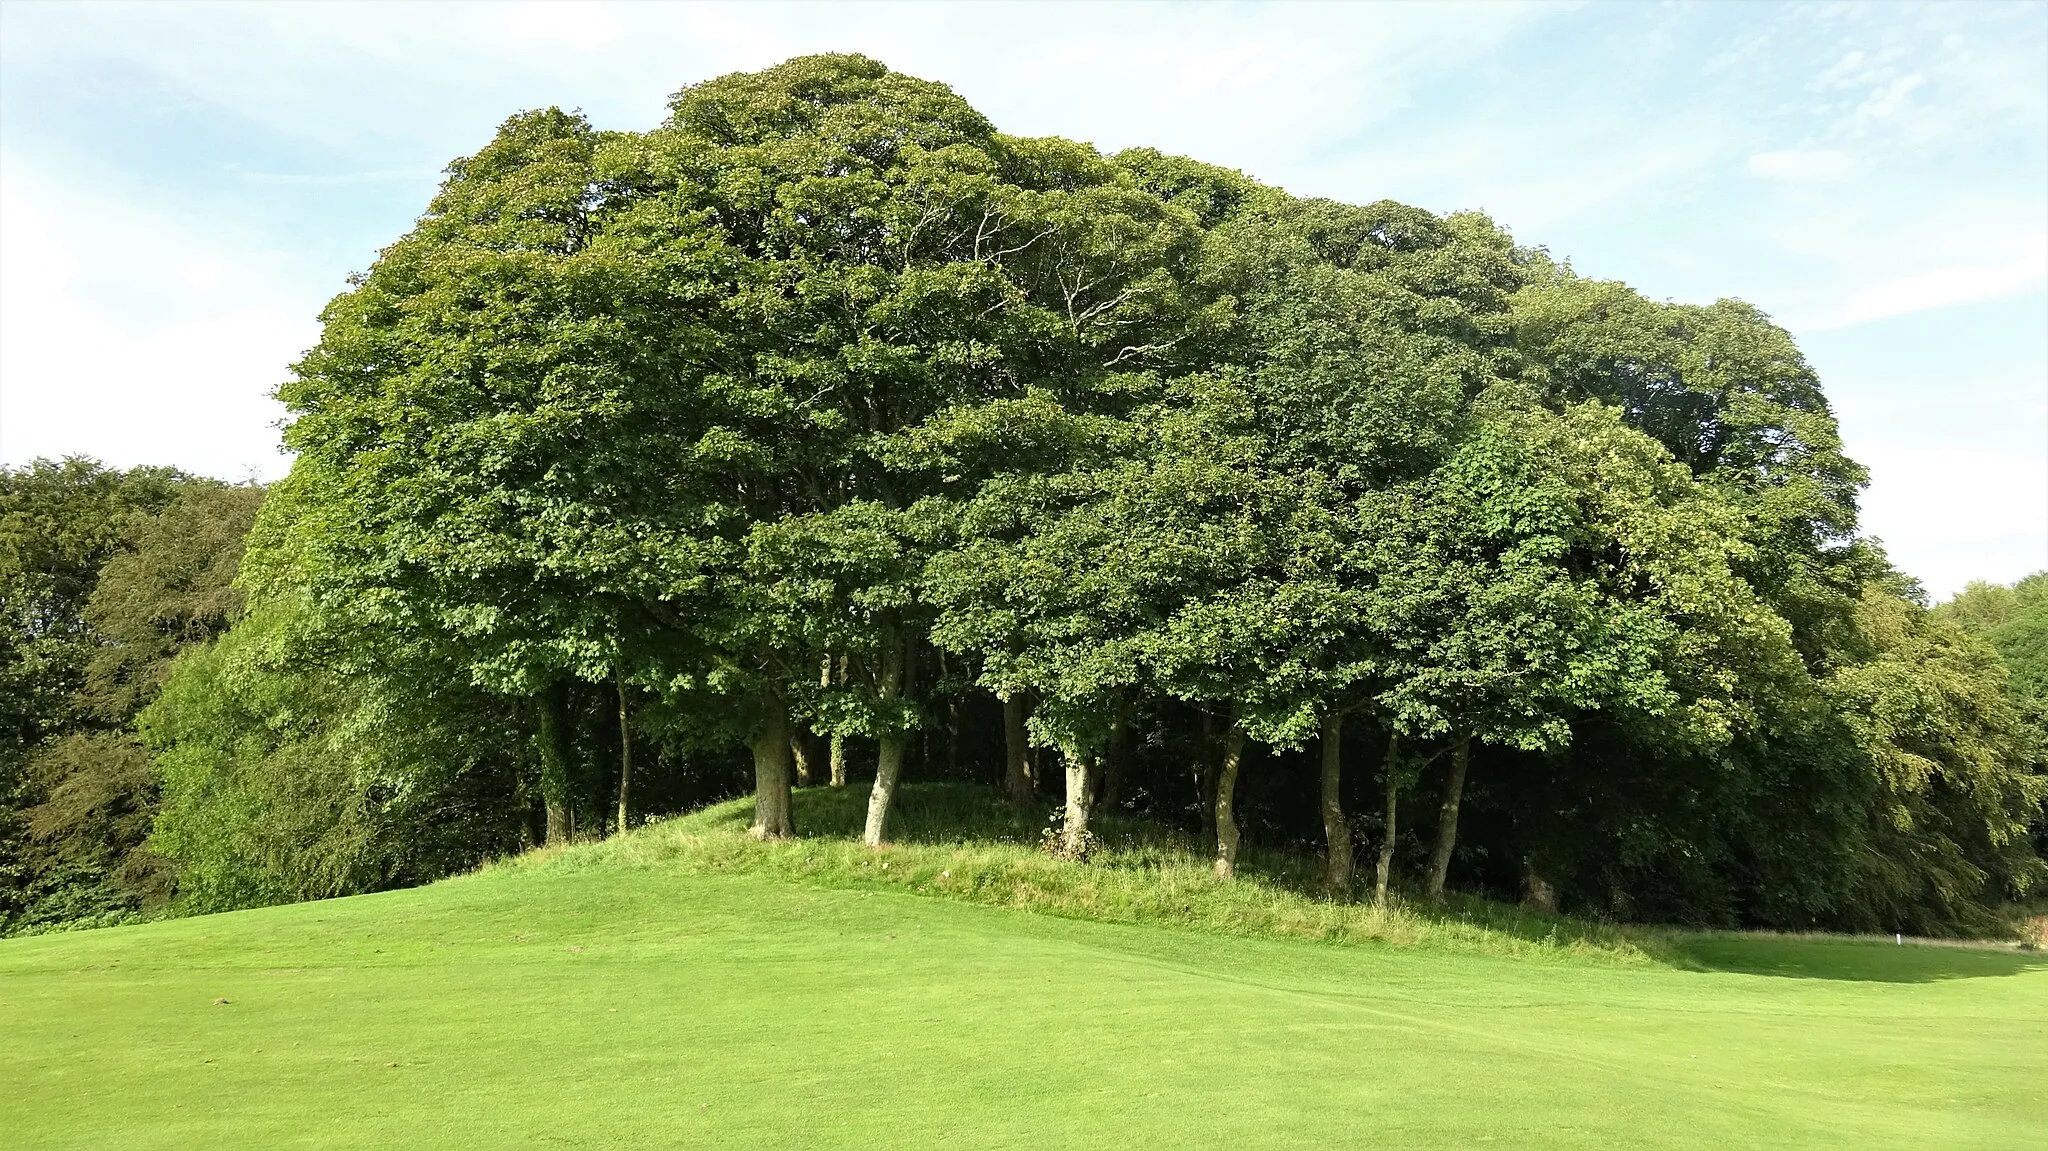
(684, 986)
(961, 842)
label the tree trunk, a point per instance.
(1074, 829)
(625, 758)
(1205, 781)
(1116, 766)
(771, 776)
(1447, 819)
(834, 670)
(803, 748)
(1384, 875)
(953, 736)
(554, 768)
(889, 755)
(1337, 876)
(803, 743)
(1226, 803)
(1016, 754)
(888, 770)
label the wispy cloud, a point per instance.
(389, 175)
(1938, 288)
(1803, 164)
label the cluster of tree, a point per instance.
(104, 577)
(2014, 621)
(826, 422)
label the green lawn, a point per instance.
(596, 1001)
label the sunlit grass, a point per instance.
(684, 985)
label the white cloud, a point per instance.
(1889, 97)
(123, 336)
(1950, 515)
(582, 26)
(1936, 288)
(1801, 164)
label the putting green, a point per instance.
(580, 1007)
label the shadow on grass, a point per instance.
(1858, 960)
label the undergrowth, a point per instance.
(956, 841)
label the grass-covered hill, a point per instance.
(686, 986)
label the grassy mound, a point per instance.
(683, 986)
(961, 842)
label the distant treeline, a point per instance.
(826, 434)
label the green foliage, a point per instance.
(2013, 620)
(284, 781)
(107, 574)
(1950, 757)
(59, 524)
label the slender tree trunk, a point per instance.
(1226, 803)
(1384, 875)
(889, 757)
(1116, 766)
(1447, 819)
(888, 770)
(834, 670)
(771, 776)
(1337, 876)
(803, 748)
(1016, 761)
(1205, 781)
(554, 767)
(952, 723)
(522, 799)
(1075, 827)
(625, 758)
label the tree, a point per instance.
(1955, 776)
(1026, 592)
(1556, 565)
(507, 436)
(2014, 620)
(103, 575)
(1728, 393)
(1345, 371)
(59, 524)
(291, 769)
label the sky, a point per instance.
(183, 187)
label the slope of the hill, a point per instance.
(683, 988)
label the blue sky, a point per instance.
(183, 186)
